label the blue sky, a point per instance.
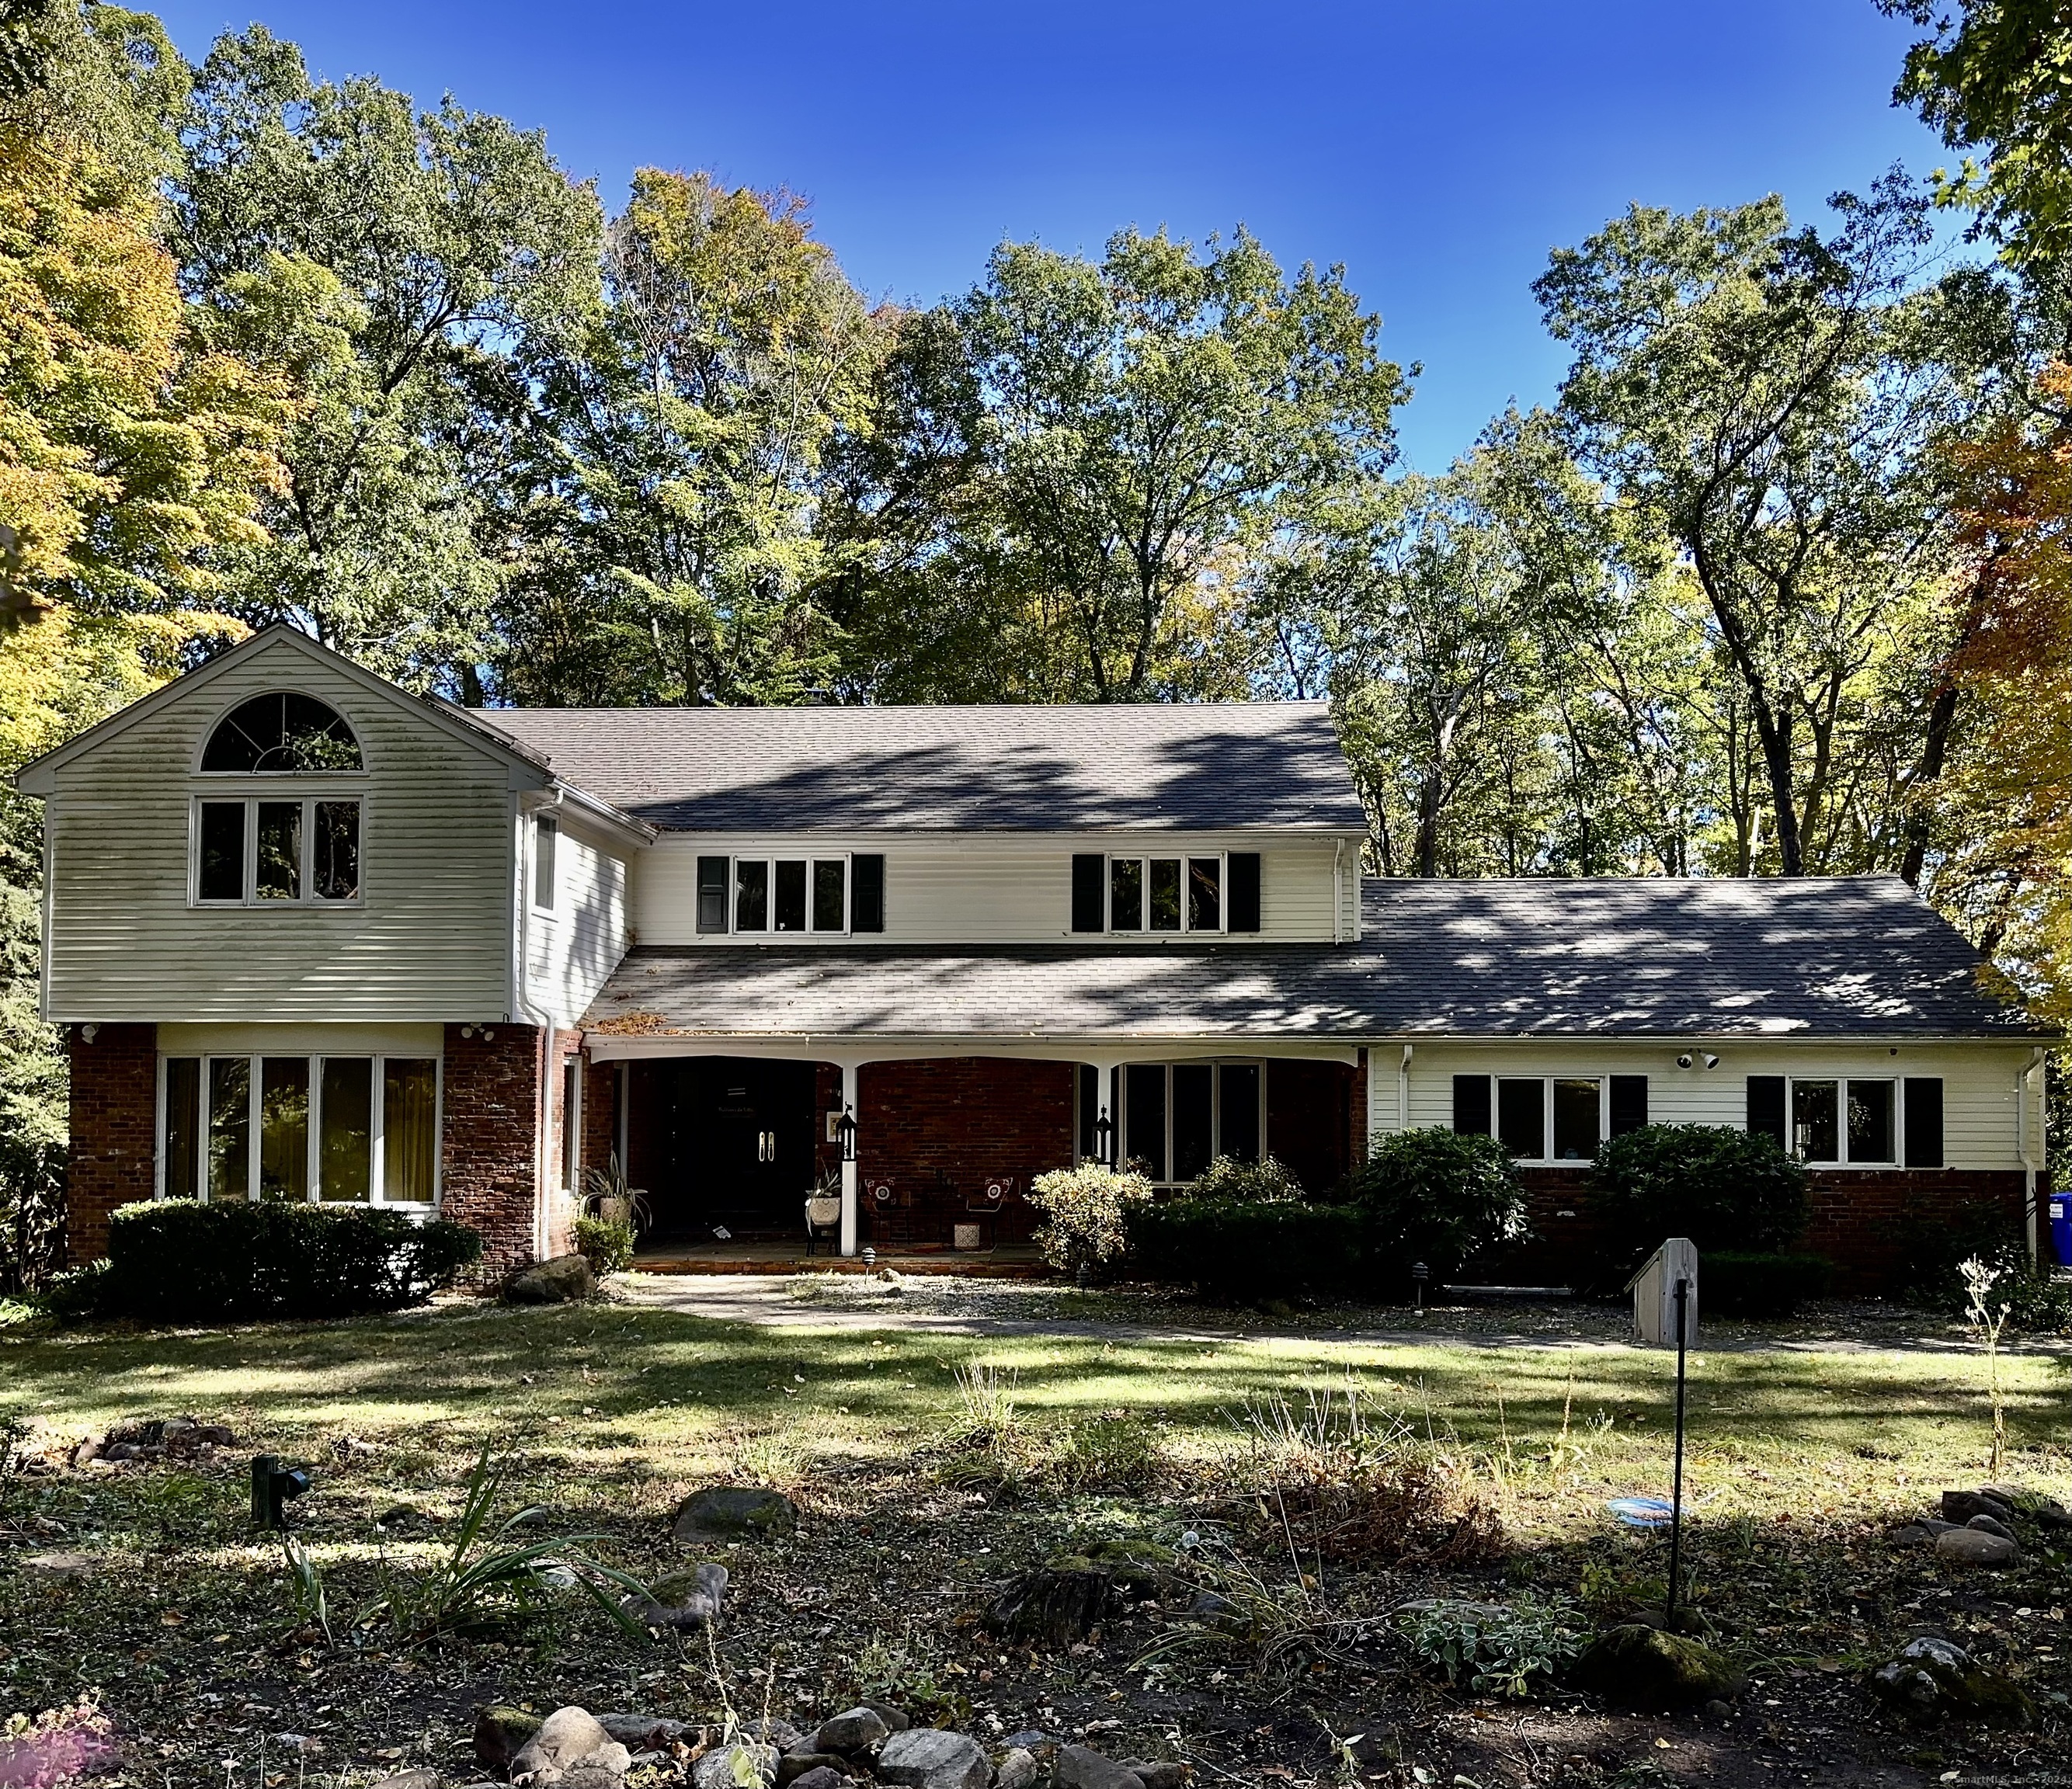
(1437, 149)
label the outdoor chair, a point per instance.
(983, 1207)
(823, 1218)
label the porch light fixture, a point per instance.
(845, 1131)
(1104, 1139)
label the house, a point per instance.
(314, 937)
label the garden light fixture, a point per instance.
(272, 1485)
(1419, 1275)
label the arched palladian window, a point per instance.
(282, 732)
(262, 850)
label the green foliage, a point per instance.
(1722, 1186)
(1933, 1248)
(1263, 1182)
(1735, 1284)
(173, 1258)
(1247, 1249)
(1439, 1196)
(606, 1243)
(1082, 1214)
(1510, 1651)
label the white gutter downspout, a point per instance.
(2021, 1082)
(523, 1011)
(1402, 1088)
(1338, 891)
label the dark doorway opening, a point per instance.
(722, 1142)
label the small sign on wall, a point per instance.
(834, 1118)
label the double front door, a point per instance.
(723, 1141)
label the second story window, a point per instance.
(757, 895)
(1166, 894)
(256, 852)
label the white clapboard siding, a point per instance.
(571, 951)
(1979, 1097)
(989, 888)
(427, 941)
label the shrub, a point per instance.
(77, 1294)
(1262, 1183)
(1244, 1248)
(1724, 1187)
(1439, 1197)
(1932, 1251)
(173, 1258)
(606, 1243)
(1731, 1284)
(1082, 1232)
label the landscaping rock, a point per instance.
(926, 1758)
(1961, 1506)
(1081, 1767)
(821, 1776)
(1913, 1534)
(647, 1733)
(566, 1279)
(717, 1769)
(685, 1601)
(1974, 1547)
(1160, 1774)
(1213, 1610)
(1048, 1604)
(734, 1512)
(803, 1762)
(1643, 1667)
(571, 1750)
(1016, 1769)
(1933, 1679)
(1936, 1525)
(1987, 1524)
(775, 1731)
(851, 1731)
(501, 1732)
(60, 1565)
(423, 1777)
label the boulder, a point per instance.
(1643, 1667)
(1989, 1524)
(723, 1766)
(566, 1279)
(1961, 1506)
(501, 1732)
(821, 1776)
(926, 1758)
(894, 1721)
(1158, 1773)
(571, 1750)
(1933, 1679)
(1016, 1769)
(1081, 1767)
(420, 1777)
(647, 1733)
(805, 1762)
(1974, 1547)
(851, 1731)
(775, 1730)
(734, 1512)
(1912, 1534)
(685, 1601)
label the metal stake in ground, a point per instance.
(1676, 1490)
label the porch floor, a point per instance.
(790, 1257)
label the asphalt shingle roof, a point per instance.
(1184, 766)
(1860, 956)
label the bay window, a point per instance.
(339, 1129)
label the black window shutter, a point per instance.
(1089, 891)
(1629, 1103)
(1471, 1104)
(867, 892)
(1243, 892)
(1765, 1107)
(712, 894)
(1924, 1121)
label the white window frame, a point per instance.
(1841, 1084)
(1547, 1158)
(1144, 858)
(1121, 1116)
(249, 873)
(548, 826)
(770, 860)
(377, 1142)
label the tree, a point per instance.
(1767, 399)
(1115, 448)
(672, 453)
(423, 243)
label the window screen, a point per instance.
(751, 896)
(1816, 1120)
(1924, 1121)
(830, 900)
(1125, 894)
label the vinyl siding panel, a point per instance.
(988, 888)
(1979, 1097)
(571, 951)
(427, 941)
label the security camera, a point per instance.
(1712, 1061)
(1683, 1062)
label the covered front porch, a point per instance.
(925, 1149)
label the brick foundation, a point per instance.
(115, 1131)
(492, 1129)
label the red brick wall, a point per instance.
(115, 1131)
(939, 1129)
(600, 1116)
(1314, 1111)
(491, 1125)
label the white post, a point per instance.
(848, 1226)
(1114, 1076)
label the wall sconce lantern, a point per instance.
(1104, 1139)
(846, 1132)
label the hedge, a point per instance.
(173, 1258)
(1732, 1284)
(1247, 1249)
(1722, 1187)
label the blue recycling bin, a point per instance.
(2060, 1207)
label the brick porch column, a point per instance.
(115, 1131)
(490, 1151)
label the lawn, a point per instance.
(184, 1621)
